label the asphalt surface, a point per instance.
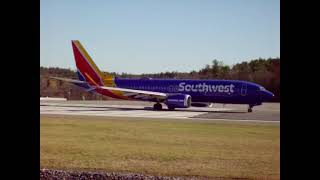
(269, 112)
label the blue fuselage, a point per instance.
(218, 91)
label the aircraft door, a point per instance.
(244, 89)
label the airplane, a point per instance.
(174, 93)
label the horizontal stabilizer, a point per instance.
(82, 84)
(69, 80)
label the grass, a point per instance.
(161, 147)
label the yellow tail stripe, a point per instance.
(91, 79)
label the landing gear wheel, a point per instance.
(250, 108)
(157, 106)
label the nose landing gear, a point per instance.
(250, 108)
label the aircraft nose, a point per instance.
(266, 95)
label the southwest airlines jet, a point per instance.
(173, 93)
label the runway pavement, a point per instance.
(268, 112)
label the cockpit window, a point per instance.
(262, 88)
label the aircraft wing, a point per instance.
(137, 94)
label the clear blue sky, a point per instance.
(147, 36)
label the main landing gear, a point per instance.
(250, 108)
(157, 106)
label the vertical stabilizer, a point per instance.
(87, 69)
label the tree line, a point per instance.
(265, 72)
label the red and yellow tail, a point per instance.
(90, 73)
(87, 69)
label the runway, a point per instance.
(268, 112)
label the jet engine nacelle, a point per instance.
(178, 101)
